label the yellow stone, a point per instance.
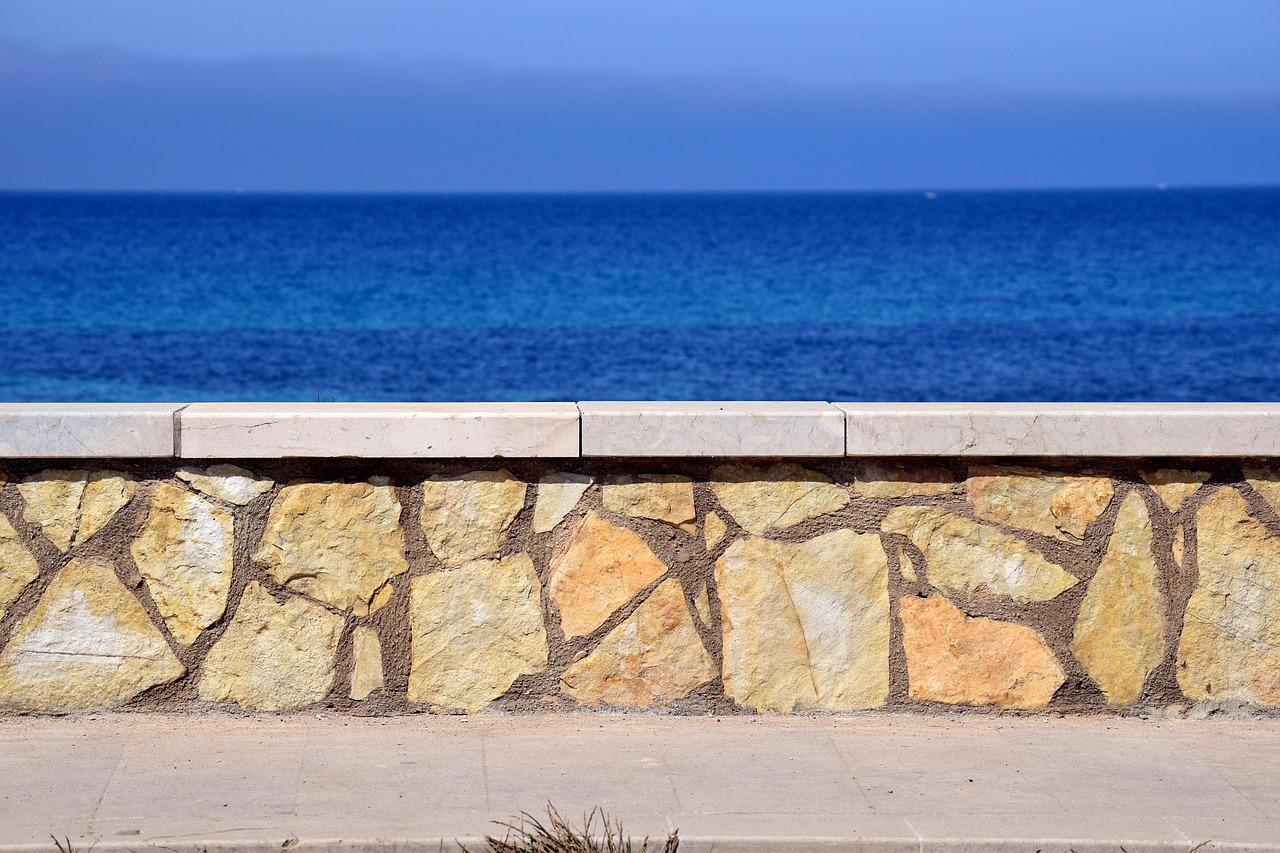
(962, 660)
(1119, 635)
(52, 501)
(17, 567)
(382, 597)
(1265, 480)
(654, 657)
(105, 494)
(1175, 485)
(1230, 644)
(1059, 505)
(602, 569)
(558, 494)
(185, 553)
(475, 630)
(662, 497)
(963, 557)
(335, 542)
(702, 604)
(274, 655)
(366, 673)
(229, 483)
(890, 482)
(806, 624)
(713, 530)
(905, 566)
(762, 500)
(466, 515)
(87, 644)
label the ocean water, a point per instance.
(1039, 296)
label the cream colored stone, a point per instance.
(105, 494)
(774, 498)
(963, 557)
(465, 516)
(185, 554)
(558, 494)
(602, 569)
(335, 542)
(1265, 480)
(52, 501)
(662, 497)
(654, 657)
(1175, 485)
(806, 624)
(229, 483)
(274, 655)
(962, 660)
(382, 597)
(891, 482)
(1230, 644)
(905, 566)
(1119, 634)
(366, 673)
(713, 530)
(702, 604)
(87, 644)
(17, 567)
(476, 629)
(1060, 505)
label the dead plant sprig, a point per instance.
(528, 834)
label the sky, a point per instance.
(635, 95)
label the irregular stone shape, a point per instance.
(382, 597)
(662, 497)
(806, 624)
(654, 657)
(774, 498)
(906, 567)
(87, 644)
(466, 515)
(229, 483)
(336, 542)
(875, 480)
(52, 501)
(964, 660)
(1060, 505)
(713, 530)
(602, 569)
(963, 557)
(105, 494)
(1175, 485)
(366, 673)
(558, 494)
(476, 629)
(1265, 480)
(1230, 644)
(185, 554)
(274, 655)
(17, 567)
(702, 604)
(1119, 635)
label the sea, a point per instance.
(1109, 295)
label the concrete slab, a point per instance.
(81, 430)
(711, 429)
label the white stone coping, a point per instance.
(607, 429)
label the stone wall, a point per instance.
(686, 586)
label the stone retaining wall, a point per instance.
(678, 585)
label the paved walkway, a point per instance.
(879, 783)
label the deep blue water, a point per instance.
(1107, 295)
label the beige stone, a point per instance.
(1230, 644)
(466, 515)
(962, 660)
(17, 567)
(1059, 505)
(558, 494)
(602, 569)
(274, 655)
(52, 500)
(702, 604)
(105, 494)
(905, 566)
(713, 530)
(382, 597)
(87, 644)
(774, 498)
(335, 542)
(229, 483)
(1265, 480)
(1119, 634)
(806, 624)
(653, 657)
(662, 497)
(1175, 485)
(185, 554)
(963, 557)
(892, 482)
(476, 629)
(366, 673)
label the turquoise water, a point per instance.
(1105, 295)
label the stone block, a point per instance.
(466, 516)
(711, 429)
(87, 430)
(558, 494)
(17, 567)
(763, 499)
(1058, 505)
(662, 497)
(229, 483)
(71, 506)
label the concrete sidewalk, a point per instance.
(883, 782)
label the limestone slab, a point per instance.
(229, 483)
(890, 481)
(713, 530)
(366, 653)
(466, 515)
(558, 494)
(383, 430)
(71, 506)
(1052, 504)
(87, 430)
(1175, 485)
(764, 499)
(662, 497)
(711, 429)
(17, 566)
(475, 630)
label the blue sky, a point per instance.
(626, 95)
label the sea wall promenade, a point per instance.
(674, 557)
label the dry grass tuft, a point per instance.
(528, 834)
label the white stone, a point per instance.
(229, 483)
(378, 430)
(81, 430)
(558, 494)
(711, 429)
